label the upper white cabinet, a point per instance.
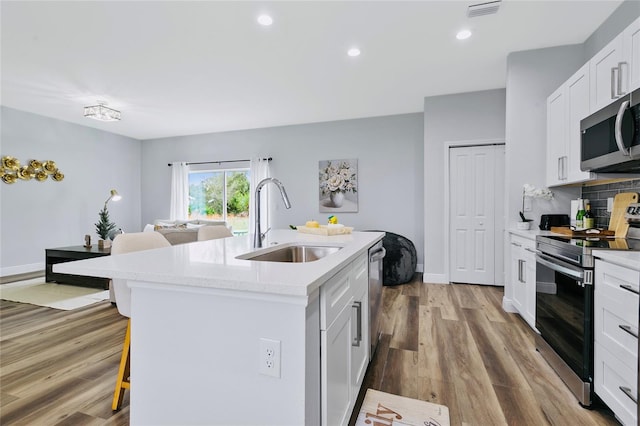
(615, 70)
(631, 51)
(565, 108)
(556, 131)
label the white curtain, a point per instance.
(259, 169)
(179, 191)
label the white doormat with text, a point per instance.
(385, 409)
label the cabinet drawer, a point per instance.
(610, 376)
(615, 320)
(518, 241)
(616, 281)
(334, 296)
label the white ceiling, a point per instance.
(180, 68)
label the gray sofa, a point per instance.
(182, 231)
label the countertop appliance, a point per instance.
(549, 220)
(610, 140)
(564, 301)
(376, 254)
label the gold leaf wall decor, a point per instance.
(11, 171)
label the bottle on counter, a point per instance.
(580, 215)
(589, 219)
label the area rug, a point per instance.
(58, 296)
(385, 409)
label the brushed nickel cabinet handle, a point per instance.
(629, 288)
(627, 328)
(358, 306)
(627, 392)
(613, 82)
(619, 89)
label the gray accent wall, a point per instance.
(531, 77)
(389, 151)
(620, 19)
(451, 118)
(39, 215)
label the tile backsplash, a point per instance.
(598, 194)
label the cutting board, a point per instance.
(565, 230)
(325, 230)
(617, 222)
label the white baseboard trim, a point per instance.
(434, 278)
(21, 269)
(419, 267)
(507, 306)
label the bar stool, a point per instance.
(126, 243)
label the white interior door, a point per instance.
(473, 177)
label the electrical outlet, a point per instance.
(610, 204)
(269, 357)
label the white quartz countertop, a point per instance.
(530, 233)
(214, 263)
(628, 259)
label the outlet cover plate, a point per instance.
(269, 357)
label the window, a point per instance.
(221, 194)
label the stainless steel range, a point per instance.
(564, 301)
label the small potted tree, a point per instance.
(104, 228)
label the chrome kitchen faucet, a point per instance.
(258, 236)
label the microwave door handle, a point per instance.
(618, 133)
(556, 265)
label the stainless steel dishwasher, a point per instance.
(376, 254)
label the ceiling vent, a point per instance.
(482, 9)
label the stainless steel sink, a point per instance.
(298, 253)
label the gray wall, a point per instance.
(38, 215)
(450, 118)
(531, 77)
(620, 19)
(389, 151)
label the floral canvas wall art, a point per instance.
(338, 185)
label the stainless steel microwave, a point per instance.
(610, 140)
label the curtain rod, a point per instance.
(220, 162)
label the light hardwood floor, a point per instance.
(448, 344)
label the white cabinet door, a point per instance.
(556, 135)
(360, 325)
(616, 338)
(519, 294)
(529, 267)
(577, 104)
(605, 76)
(335, 349)
(631, 53)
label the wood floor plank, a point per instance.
(500, 365)
(390, 305)
(429, 345)
(518, 406)
(405, 328)
(401, 373)
(442, 393)
(463, 366)
(439, 296)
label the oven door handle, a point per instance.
(560, 266)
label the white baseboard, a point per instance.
(507, 306)
(21, 269)
(434, 278)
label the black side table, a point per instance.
(68, 254)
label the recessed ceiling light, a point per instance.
(265, 20)
(464, 34)
(354, 51)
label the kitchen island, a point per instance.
(200, 316)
